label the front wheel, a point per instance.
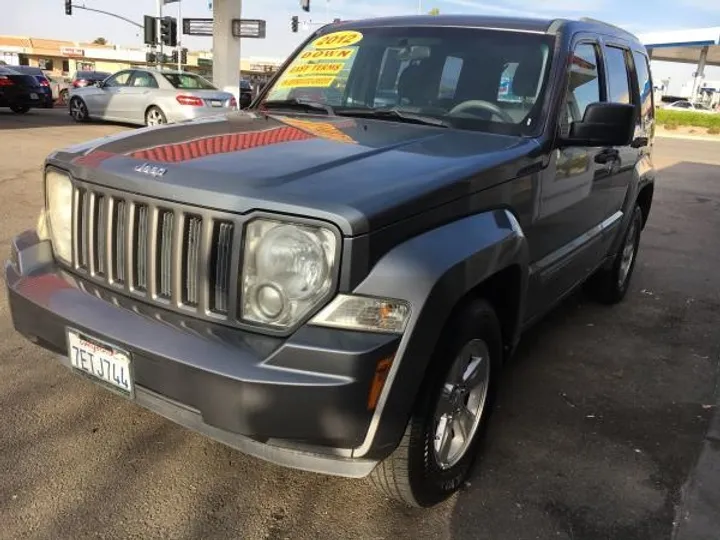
(610, 285)
(63, 97)
(19, 109)
(439, 446)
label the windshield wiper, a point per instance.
(296, 104)
(396, 114)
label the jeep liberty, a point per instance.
(332, 279)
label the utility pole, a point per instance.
(179, 41)
(159, 30)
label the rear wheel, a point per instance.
(439, 446)
(78, 110)
(155, 117)
(63, 97)
(19, 109)
(610, 285)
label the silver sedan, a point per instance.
(149, 97)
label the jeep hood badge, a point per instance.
(152, 170)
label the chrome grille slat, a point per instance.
(141, 248)
(165, 233)
(119, 239)
(168, 253)
(191, 249)
(222, 242)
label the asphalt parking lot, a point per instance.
(601, 419)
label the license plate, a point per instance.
(216, 103)
(101, 362)
(33, 95)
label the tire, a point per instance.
(78, 110)
(416, 474)
(63, 97)
(610, 285)
(155, 117)
(19, 109)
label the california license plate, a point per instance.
(101, 362)
(33, 95)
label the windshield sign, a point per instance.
(469, 78)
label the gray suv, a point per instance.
(332, 281)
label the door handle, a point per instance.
(607, 155)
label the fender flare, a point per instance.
(434, 271)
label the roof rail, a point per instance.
(598, 21)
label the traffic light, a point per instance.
(150, 30)
(168, 31)
(183, 56)
(294, 23)
(68, 7)
(174, 57)
(305, 5)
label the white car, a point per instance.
(149, 97)
(684, 105)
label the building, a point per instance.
(63, 58)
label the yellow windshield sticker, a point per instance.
(337, 40)
(316, 69)
(332, 54)
(309, 82)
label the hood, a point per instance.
(360, 174)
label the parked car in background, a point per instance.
(39, 75)
(685, 105)
(246, 93)
(18, 91)
(60, 87)
(149, 97)
(82, 79)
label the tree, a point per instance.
(434, 11)
(100, 41)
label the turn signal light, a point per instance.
(190, 100)
(382, 368)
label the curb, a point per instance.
(708, 138)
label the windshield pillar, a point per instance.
(226, 48)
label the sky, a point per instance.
(46, 18)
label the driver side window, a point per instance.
(119, 79)
(583, 84)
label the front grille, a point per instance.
(173, 255)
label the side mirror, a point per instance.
(604, 124)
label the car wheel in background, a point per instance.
(19, 109)
(78, 110)
(63, 97)
(155, 117)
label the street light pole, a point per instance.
(159, 29)
(178, 47)
(419, 7)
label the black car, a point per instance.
(43, 81)
(334, 285)
(85, 78)
(246, 93)
(19, 92)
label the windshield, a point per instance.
(188, 81)
(93, 75)
(470, 78)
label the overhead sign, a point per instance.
(197, 27)
(248, 28)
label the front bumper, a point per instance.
(300, 402)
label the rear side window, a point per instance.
(644, 85)
(186, 81)
(583, 82)
(618, 82)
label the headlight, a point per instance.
(58, 202)
(288, 270)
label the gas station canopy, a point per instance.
(684, 46)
